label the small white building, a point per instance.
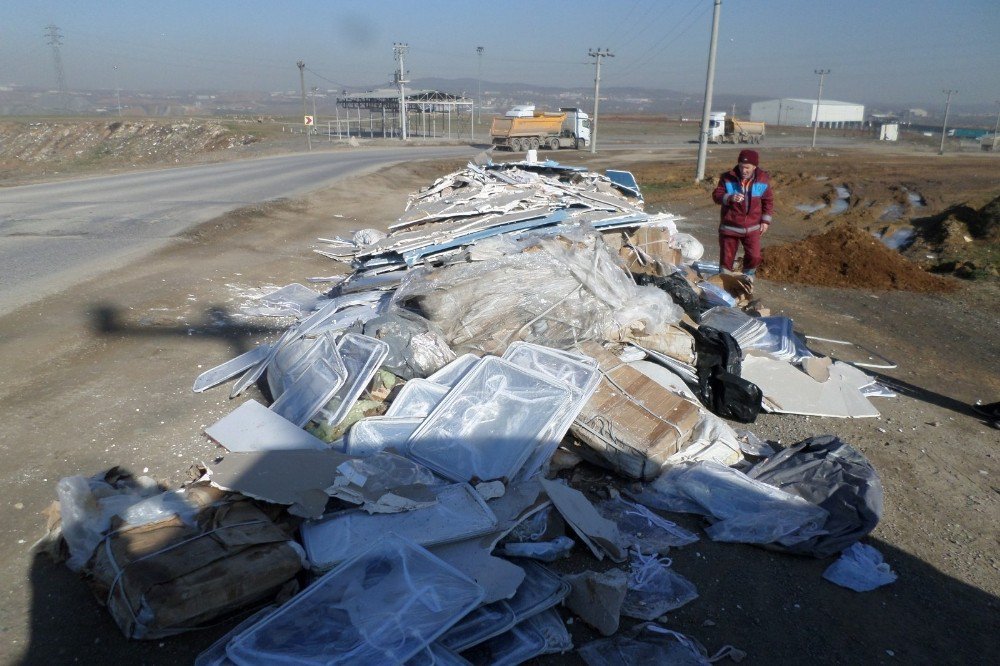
(802, 112)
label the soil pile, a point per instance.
(845, 256)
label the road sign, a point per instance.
(309, 121)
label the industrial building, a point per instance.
(429, 113)
(802, 112)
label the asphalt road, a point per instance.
(55, 234)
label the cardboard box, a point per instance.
(164, 578)
(633, 423)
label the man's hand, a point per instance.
(737, 198)
(763, 227)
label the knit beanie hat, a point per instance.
(749, 157)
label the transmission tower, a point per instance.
(55, 41)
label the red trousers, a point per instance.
(729, 244)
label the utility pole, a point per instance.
(118, 92)
(944, 127)
(819, 97)
(313, 91)
(399, 50)
(996, 127)
(597, 55)
(479, 88)
(703, 139)
(55, 41)
(302, 83)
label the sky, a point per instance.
(888, 51)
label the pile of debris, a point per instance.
(399, 498)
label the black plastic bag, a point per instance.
(679, 289)
(835, 476)
(720, 387)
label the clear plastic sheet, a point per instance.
(293, 300)
(382, 606)
(557, 293)
(377, 433)
(489, 424)
(747, 330)
(743, 509)
(644, 530)
(654, 588)
(459, 514)
(86, 507)
(781, 341)
(860, 568)
(716, 295)
(362, 357)
(480, 625)
(417, 398)
(540, 590)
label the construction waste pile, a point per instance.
(406, 495)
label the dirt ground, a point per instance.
(100, 376)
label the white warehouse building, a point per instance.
(802, 112)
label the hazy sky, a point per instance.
(877, 50)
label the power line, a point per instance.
(55, 41)
(597, 56)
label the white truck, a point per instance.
(524, 128)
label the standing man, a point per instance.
(746, 199)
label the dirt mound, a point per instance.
(845, 256)
(125, 140)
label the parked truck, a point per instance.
(524, 128)
(742, 131)
(731, 130)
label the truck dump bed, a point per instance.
(538, 125)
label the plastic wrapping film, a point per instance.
(747, 330)
(383, 606)
(416, 346)
(556, 293)
(459, 514)
(489, 424)
(780, 340)
(293, 300)
(744, 510)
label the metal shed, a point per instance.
(430, 114)
(802, 112)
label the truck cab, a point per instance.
(577, 124)
(716, 126)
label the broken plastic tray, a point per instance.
(382, 606)
(489, 424)
(362, 356)
(417, 398)
(376, 433)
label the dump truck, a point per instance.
(524, 128)
(742, 131)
